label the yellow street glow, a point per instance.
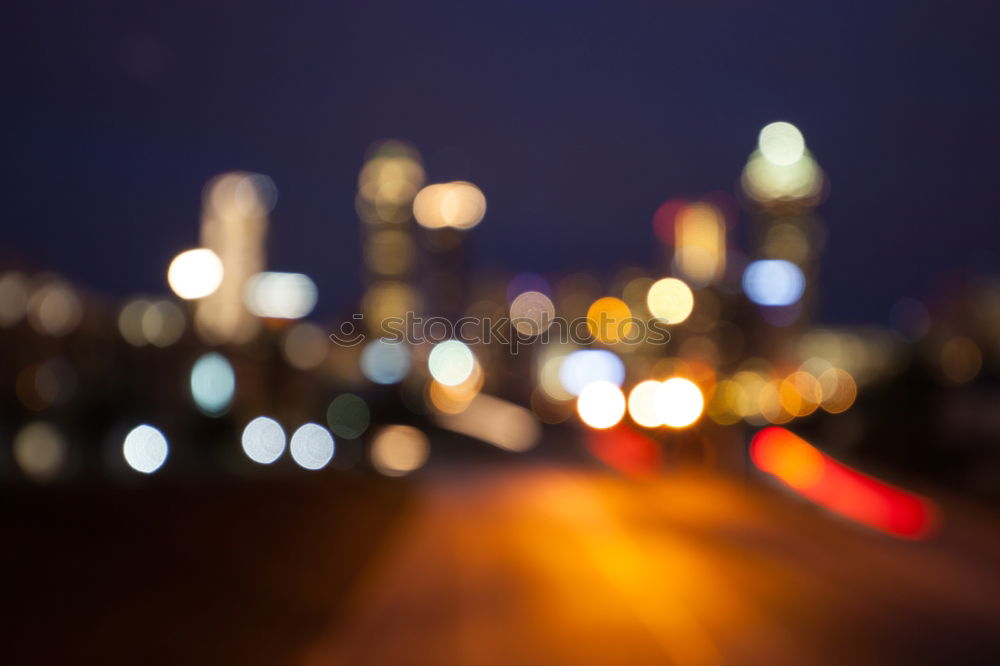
(610, 320)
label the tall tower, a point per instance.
(234, 226)
(388, 182)
(784, 185)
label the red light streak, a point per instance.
(625, 450)
(841, 489)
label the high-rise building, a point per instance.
(234, 226)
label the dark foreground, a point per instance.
(523, 564)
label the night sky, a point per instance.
(576, 119)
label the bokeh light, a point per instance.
(587, 366)
(348, 416)
(773, 282)
(601, 405)
(700, 244)
(195, 273)
(13, 298)
(645, 403)
(162, 323)
(766, 182)
(213, 383)
(130, 322)
(399, 449)
(531, 313)
(385, 362)
(839, 390)
(312, 446)
(610, 320)
(682, 402)
(781, 143)
(263, 440)
(389, 179)
(451, 362)
(305, 346)
(54, 309)
(495, 421)
(280, 295)
(40, 451)
(455, 399)
(670, 300)
(459, 205)
(728, 403)
(145, 449)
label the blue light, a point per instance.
(590, 365)
(212, 383)
(385, 362)
(773, 282)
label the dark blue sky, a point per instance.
(576, 119)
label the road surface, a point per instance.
(482, 564)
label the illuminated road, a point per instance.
(559, 567)
(516, 564)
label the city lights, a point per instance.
(645, 403)
(838, 390)
(13, 298)
(40, 451)
(162, 323)
(399, 449)
(145, 449)
(451, 362)
(459, 205)
(671, 300)
(453, 399)
(710, 377)
(385, 362)
(587, 366)
(305, 346)
(532, 312)
(840, 489)
(212, 383)
(311, 446)
(781, 143)
(774, 282)
(280, 295)
(495, 421)
(54, 309)
(767, 182)
(700, 244)
(263, 440)
(682, 402)
(195, 274)
(601, 405)
(610, 320)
